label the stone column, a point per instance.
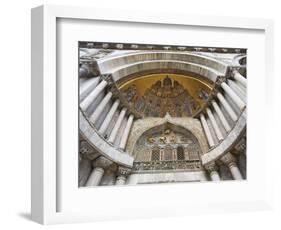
(117, 125)
(227, 107)
(132, 179)
(87, 86)
(93, 95)
(122, 175)
(221, 116)
(207, 130)
(238, 89)
(125, 135)
(238, 77)
(229, 160)
(96, 114)
(100, 165)
(85, 168)
(237, 100)
(215, 125)
(213, 171)
(108, 117)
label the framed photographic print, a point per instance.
(138, 114)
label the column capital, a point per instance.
(87, 151)
(102, 162)
(211, 167)
(233, 70)
(220, 80)
(228, 159)
(123, 171)
(108, 78)
(85, 148)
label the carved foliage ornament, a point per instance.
(123, 171)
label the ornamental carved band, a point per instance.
(167, 165)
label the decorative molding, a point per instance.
(167, 165)
(128, 46)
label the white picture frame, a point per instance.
(45, 142)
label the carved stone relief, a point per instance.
(167, 96)
(167, 148)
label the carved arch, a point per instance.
(141, 126)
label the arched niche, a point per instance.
(167, 147)
(187, 123)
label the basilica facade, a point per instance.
(161, 114)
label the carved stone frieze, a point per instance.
(167, 165)
(111, 46)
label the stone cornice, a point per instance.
(129, 46)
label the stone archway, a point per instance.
(167, 147)
(191, 124)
